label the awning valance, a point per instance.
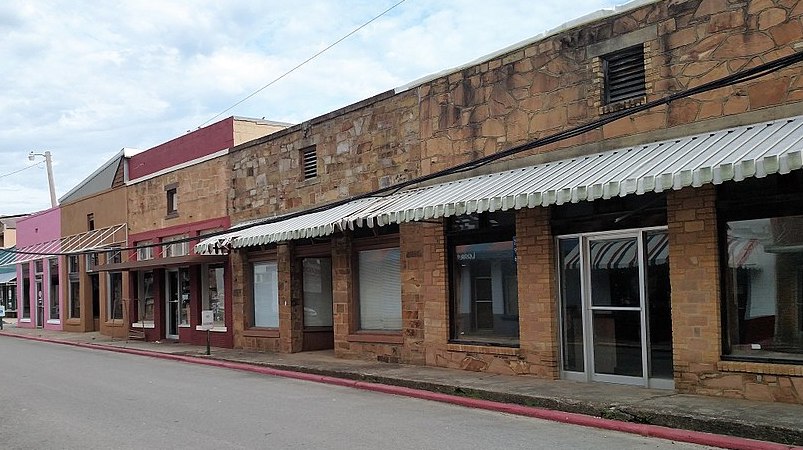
(311, 225)
(710, 158)
(733, 154)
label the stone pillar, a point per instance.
(423, 277)
(240, 276)
(342, 293)
(538, 311)
(694, 277)
(290, 305)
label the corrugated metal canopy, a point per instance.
(732, 154)
(89, 240)
(316, 224)
(8, 277)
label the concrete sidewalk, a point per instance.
(775, 422)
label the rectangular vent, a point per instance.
(309, 162)
(624, 74)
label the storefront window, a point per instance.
(484, 283)
(53, 267)
(145, 299)
(26, 291)
(184, 289)
(317, 278)
(114, 304)
(215, 294)
(764, 288)
(266, 295)
(380, 289)
(75, 287)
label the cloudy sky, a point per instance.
(84, 79)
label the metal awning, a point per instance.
(733, 154)
(710, 158)
(98, 239)
(8, 277)
(316, 224)
(95, 239)
(157, 263)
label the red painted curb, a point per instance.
(694, 437)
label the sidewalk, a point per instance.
(775, 422)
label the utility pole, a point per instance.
(49, 167)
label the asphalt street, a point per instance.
(52, 396)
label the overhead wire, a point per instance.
(299, 65)
(730, 80)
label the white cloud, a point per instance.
(84, 79)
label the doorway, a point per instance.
(317, 301)
(40, 303)
(177, 296)
(615, 307)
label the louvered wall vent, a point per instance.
(309, 161)
(624, 74)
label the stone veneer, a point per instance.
(532, 92)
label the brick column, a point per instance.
(342, 293)
(423, 278)
(538, 311)
(290, 306)
(694, 277)
(240, 276)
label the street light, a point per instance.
(49, 165)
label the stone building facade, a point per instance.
(525, 283)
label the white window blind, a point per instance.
(266, 295)
(380, 289)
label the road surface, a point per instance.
(55, 396)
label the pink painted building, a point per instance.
(39, 276)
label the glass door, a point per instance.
(615, 308)
(614, 291)
(172, 295)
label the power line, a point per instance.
(730, 80)
(349, 34)
(23, 169)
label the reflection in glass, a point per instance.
(764, 287)
(617, 342)
(266, 295)
(614, 272)
(317, 280)
(486, 307)
(571, 305)
(659, 305)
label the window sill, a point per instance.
(262, 332)
(54, 322)
(114, 323)
(142, 325)
(171, 215)
(25, 320)
(490, 349)
(793, 369)
(214, 329)
(377, 338)
(184, 325)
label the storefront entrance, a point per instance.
(177, 297)
(616, 323)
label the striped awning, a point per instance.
(316, 224)
(77, 243)
(622, 253)
(710, 158)
(95, 239)
(733, 154)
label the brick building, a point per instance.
(661, 249)
(176, 191)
